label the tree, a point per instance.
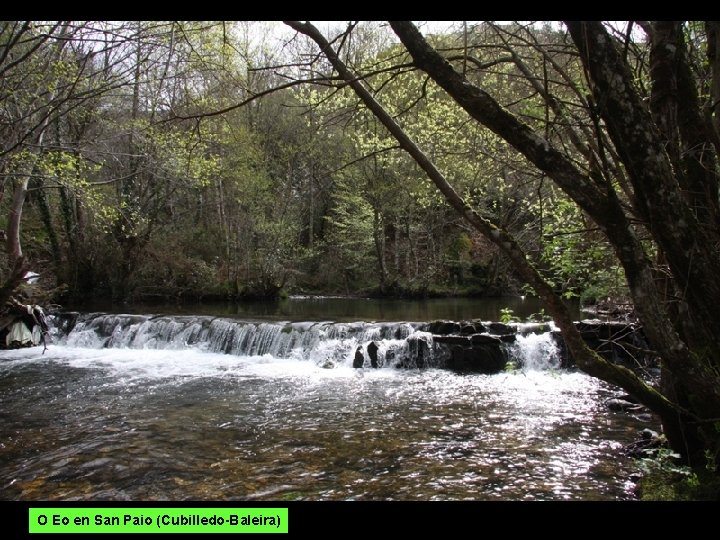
(47, 71)
(639, 169)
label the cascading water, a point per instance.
(325, 343)
(133, 407)
(535, 351)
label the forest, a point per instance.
(174, 161)
(190, 161)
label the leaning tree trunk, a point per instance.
(642, 152)
(667, 195)
(13, 242)
(693, 408)
(587, 359)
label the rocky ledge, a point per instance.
(486, 347)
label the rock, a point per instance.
(359, 358)
(482, 358)
(453, 340)
(604, 330)
(487, 359)
(530, 328)
(65, 321)
(648, 434)
(420, 358)
(417, 349)
(469, 329)
(589, 330)
(443, 327)
(619, 342)
(372, 350)
(457, 357)
(619, 404)
(479, 326)
(475, 339)
(328, 364)
(500, 328)
(647, 446)
(484, 339)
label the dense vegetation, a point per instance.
(180, 160)
(133, 194)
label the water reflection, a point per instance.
(344, 309)
(79, 424)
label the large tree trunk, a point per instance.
(668, 195)
(694, 402)
(20, 187)
(587, 359)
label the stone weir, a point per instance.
(488, 347)
(468, 346)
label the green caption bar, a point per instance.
(158, 520)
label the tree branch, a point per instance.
(586, 358)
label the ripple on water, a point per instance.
(80, 424)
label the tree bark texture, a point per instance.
(674, 211)
(587, 359)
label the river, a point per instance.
(142, 408)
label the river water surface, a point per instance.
(146, 417)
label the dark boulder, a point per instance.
(64, 321)
(620, 405)
(471, 328)
(372, 350)
(415, 355)
(499, 329)
(649, 434)
(359, 358)
(485, 339)
(486, 358)
(463, 341)
(443, 327)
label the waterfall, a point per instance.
(401, 344)
(327, 344)
(535, 351)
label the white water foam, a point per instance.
(536, 351)
(124, 366)
(325, 344)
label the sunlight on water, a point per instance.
(83, 423)
(319, 342)
(536, 351)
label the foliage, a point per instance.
(350, 222)
(575, 257)
(664, 478)
(299, 190)
(540, 316)
(507, 315)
